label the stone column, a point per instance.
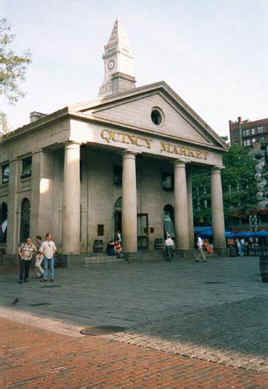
(42, 194)
(181, 207)
(71, 200)
(129, 208)
(190, 207)
(12, 221)
(217, 210)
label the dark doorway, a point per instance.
(117, 216)
(3, 222)
(143, 231)
(117, 222)
(168, 221)
(25, 220)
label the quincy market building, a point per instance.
(123, 162)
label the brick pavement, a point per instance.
(214, 312)
(32, 358)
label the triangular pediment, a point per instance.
(134, 108)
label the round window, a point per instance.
(156, 117)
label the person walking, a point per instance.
(201, 253)
(25, 253)
(242, 247)
(169, 247)
(238, 247)
(48, 249)
(39, 271)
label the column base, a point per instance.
(221, 252)
(69, 260)
(131, 257)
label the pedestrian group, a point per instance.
(43, 255)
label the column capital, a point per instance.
(217, 168)
(127, 154)
(70, 144)
(179, 163)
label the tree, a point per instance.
(3, 123)
(12, 66)
(238, 182)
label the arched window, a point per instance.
(3, 222)
(25, 220)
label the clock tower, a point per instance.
(118, 63)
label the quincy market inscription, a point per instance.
(110, 136)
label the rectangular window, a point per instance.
(248, 132)
(260, 129)
(5, 173)
(26, 167)
(253, 131)
(100, 230)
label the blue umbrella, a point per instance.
(260, 234)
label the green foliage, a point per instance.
(238, 183)
(238, 180)
(12, 66)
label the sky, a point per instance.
(212, 53)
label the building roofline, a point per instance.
(32, 126)
(161, 86)
(144, 131)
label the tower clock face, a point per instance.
(111, 64)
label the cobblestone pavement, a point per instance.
(214, 311)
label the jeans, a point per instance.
(200, 254)
(48, 262)
(169, 252)
(24, 269)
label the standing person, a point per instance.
(25, 253)
(242, 247)
(117, 245)
(201, 253)
(246, 247)
(39, 271)
(48, 249)
(238, 247)
(169, 246)
(118, 236)
(117, 248)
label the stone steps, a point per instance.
(102, 259)
(142, 256)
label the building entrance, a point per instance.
(168, 221)
(117, 216)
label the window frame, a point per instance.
(24, 169)
(3, 180)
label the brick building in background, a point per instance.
(248, 133)
(254, 134)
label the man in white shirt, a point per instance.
(201, 253)
(48, 249)
(169, 246)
